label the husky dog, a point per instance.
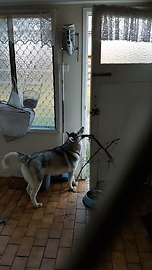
(60, 160)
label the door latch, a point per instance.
(94, 112)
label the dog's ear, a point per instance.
(68, 134)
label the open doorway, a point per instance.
(86, 83)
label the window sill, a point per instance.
(44, 130)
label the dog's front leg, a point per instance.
(71, 180)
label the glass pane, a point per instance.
(125, 52)
(34, 66)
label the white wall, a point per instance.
(35, 141)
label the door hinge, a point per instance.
(94, 112)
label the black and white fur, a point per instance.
(60, 160)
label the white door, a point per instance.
(121, 79)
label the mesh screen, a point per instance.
(34, 65)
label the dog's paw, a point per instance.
(72, 188)
(38, 205)
(75, 183)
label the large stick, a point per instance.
(101, 147)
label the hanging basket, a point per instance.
(30, 98)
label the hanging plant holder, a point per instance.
(15, 120)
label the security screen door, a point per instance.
(121, 78)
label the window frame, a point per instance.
(56, 71)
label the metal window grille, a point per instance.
(33, 40)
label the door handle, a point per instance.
(102, 74)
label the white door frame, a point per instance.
(86, 13)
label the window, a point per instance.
(27, 54)
(125, 37)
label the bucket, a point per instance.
(46, 183)
(30, 98)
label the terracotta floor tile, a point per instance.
(38, 214)
(127, 235)
(72, 197)
(51, 207)
(1, 228)
(146, 260)
(70, 208)
(143, 244)
(62, 257)
(66, 238)
(75, 245)
(47, 264)
(2, 207)
(62, 202)
(29, 207)
(106, 256)
(9, 227)
(17, 213)
(132, 255)
(44, 201)
(105, 266)
(19, 263)
(3, 243)
(33, 228)
(56, 186)
(16, 196)
(35, 257)
(56, 229)
(47, 221)
(80, 215)
(23, 201)
(82, 186)
(79, 229)
(54, 196)
(7, 197)
(32, 268)
(8, 210)
(3, 191)
(80, 204)
(41, 237)
(59, 215)
(119, 260)
(58, 218)
(17, 235)
(64, 192)
(117, 243)
(9, 254)
(25, 219)
(59, 212)
(25, 246)
(69, 222)
(134, 266)
(51, 248)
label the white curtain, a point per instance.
(35, 28)
(125, 23)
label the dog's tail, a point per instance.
(14, 157)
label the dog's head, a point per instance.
(75, 136)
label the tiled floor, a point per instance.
(43, 238)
